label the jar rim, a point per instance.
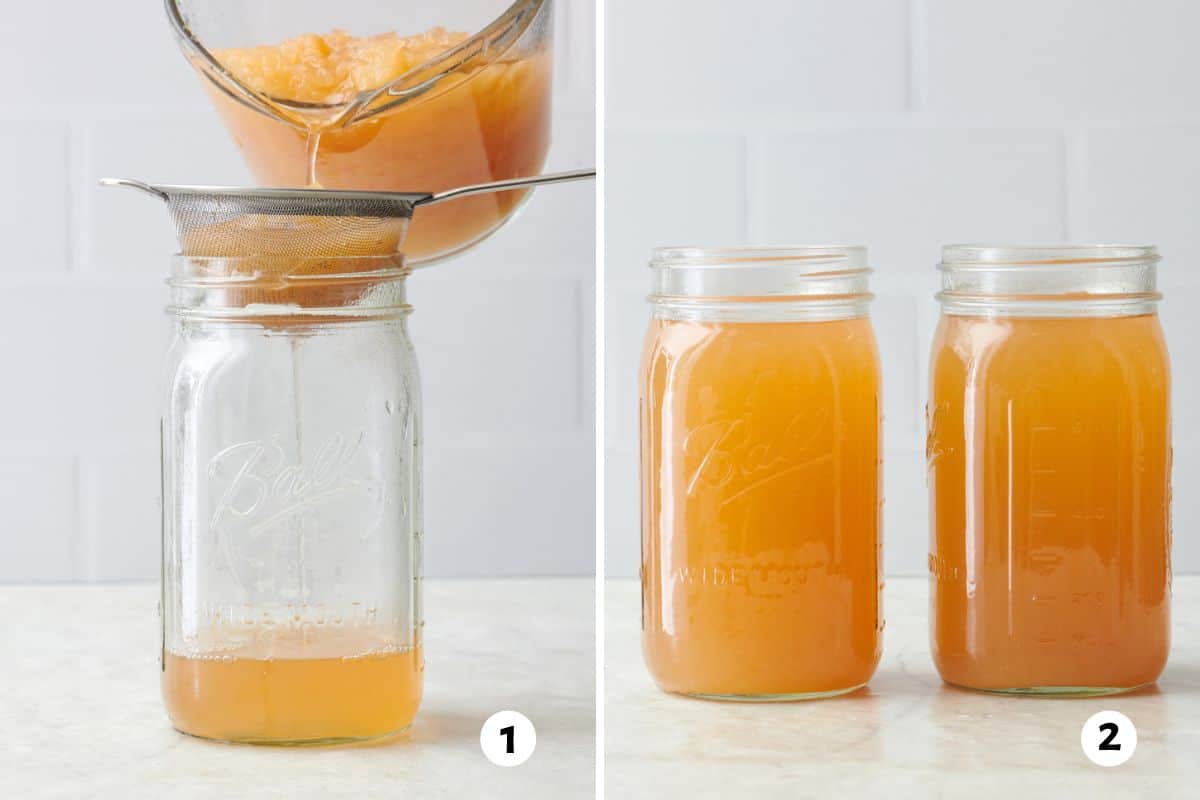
(278, 286)
(966, 256)
(190, 270)
(1051, 280)
(846, 256)
(809, 281)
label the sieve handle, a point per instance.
(513, 183)
(141, 186)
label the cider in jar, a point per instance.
(294, 686)
(761, 499)
(1049, 464)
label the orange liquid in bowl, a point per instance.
(761, 507)
(1049, 474)
(479, 124)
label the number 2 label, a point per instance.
(1108, 738)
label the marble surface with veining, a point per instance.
(81, 715)
(906, 735)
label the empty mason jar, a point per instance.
(291, 501)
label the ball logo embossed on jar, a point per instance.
(268, 502)
(743, 450)
(264, 489)
(740, 453)
(935, 446)
(742, 460)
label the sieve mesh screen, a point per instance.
(230, 222)
(208, 234)
(288, 223)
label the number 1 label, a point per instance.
(508, 738)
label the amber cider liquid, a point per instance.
(1049, 478)
(289, 691)
(761, 507)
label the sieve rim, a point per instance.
(280, 201)
(283, 192)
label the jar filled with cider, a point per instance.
(1049, 464)
(761, 499)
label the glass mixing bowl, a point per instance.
(477, 112)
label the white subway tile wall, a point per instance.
(1079, 56)
(903, 125)
(504, 335)
(706, 56)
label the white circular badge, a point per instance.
(508, 738)
(1108, 738)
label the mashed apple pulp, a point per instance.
(478, 123)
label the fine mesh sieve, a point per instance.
(225, 221)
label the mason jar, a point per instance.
(760, 449)
(291, 481)
(1049, 463)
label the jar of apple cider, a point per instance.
(1049, 462)
(291, 501)
(761, 501)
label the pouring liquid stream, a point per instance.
(312, 146)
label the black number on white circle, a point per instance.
(510, 735)
(1107, 743)
(508, 738)
(1099, 738)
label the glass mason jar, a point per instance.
(291, 501)
(1049, 461)
(761, 500)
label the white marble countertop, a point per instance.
(906, 735)
(81, 715)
